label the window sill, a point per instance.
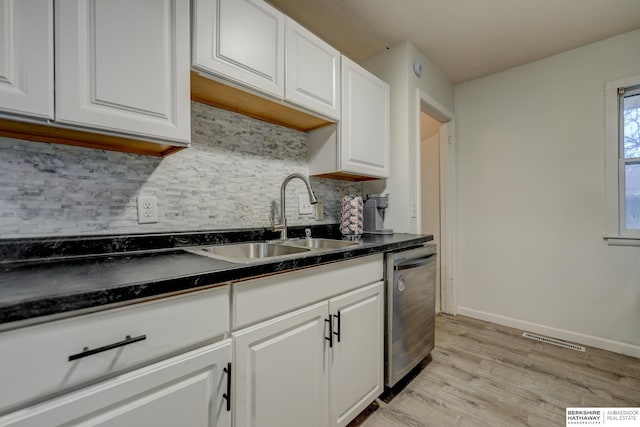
(622, 240)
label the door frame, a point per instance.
(428, 105)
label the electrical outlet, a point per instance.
(304, 207)
(147, 210)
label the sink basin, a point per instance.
(258, 251)
(321, 243)
(247, 252)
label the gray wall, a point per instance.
(229, 178)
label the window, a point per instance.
(623, 161)
(629, 113)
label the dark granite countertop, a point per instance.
(41, 289)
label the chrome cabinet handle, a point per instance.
(87, 352)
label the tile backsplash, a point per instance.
(229, 178)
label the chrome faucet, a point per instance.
(282, 227)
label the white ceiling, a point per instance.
(466, 39)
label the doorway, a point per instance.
(436, 184)
(430, 186)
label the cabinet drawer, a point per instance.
(174, 392)
(36, 359)
(259, 299)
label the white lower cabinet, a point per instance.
(318, 366)
(306, 349)
(51, 358)
(281, 375)
(356, 378)
(186, 390)
(157, 363)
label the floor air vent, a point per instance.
(553, 341)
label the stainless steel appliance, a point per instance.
(410, 309)
(374, 208)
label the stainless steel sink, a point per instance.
(321, 243)
(247, 252)
(260, 251)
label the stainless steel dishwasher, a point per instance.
(410, 309)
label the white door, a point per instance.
(357, 357)
(26, 57)
(364, 136)
(186, 390)
(123, 66)
(281, 372)
(312, 71)
(240, 40)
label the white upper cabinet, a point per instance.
(26, 57)
(365, 122)
(253, 45)
(312, 71)
(123, 66)
(358, 147)
(240, 40)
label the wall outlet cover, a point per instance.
(304, 207)
(413, 209)
(147, 210)
(319, 214)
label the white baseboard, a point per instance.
(603, 343)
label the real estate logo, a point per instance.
(617, 417)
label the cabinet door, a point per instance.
(364, 139)
(183, 391)
(281, 372)
(26, 57)
(356, 373)
(123, 66)
(240, 40)
(312, 71)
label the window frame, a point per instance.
(617, 233)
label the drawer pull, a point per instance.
(86, 352)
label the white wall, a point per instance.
(395, 66)
(531, 200)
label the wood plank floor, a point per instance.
(483, 374)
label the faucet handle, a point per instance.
(276, 226)
(307, 233)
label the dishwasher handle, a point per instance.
(413, 263)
